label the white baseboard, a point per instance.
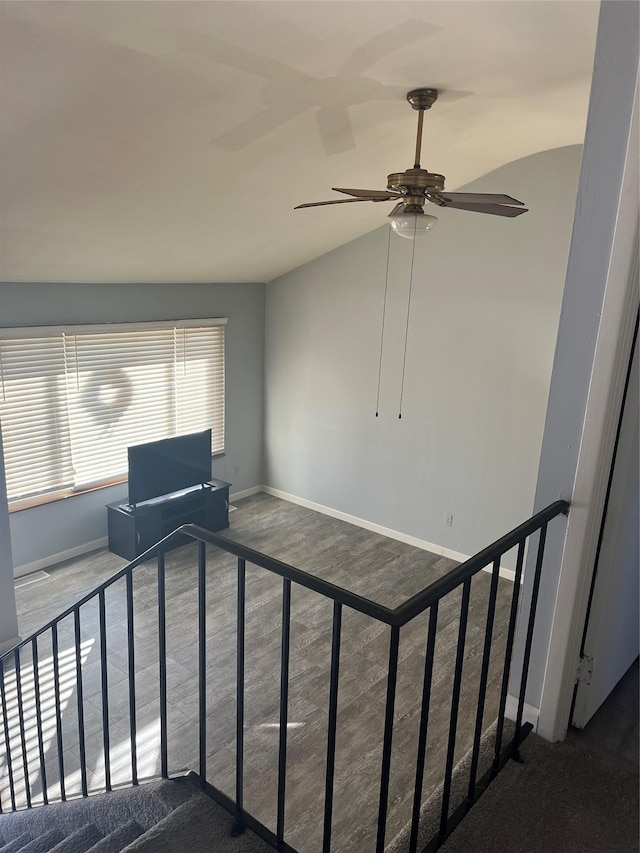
(245, 493)
(440, 550)
(530, 713)
(508, 574)
(53, 559)
(87, 547)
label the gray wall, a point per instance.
(484, 314)
(56, 527)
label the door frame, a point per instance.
(611, 359)
(580, 701)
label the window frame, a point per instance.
(36, 332)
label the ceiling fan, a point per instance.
(414, 187)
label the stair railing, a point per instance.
(21, 697)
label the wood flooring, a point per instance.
(381, 569)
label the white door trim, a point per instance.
(611, 360)
(611, 641)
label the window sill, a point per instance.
(41, 500)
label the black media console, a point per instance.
(134, 529)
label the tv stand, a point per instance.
(134, 528)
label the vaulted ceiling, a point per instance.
(170, 141)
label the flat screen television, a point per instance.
(169, 465)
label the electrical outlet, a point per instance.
(448, 520)
(236, 469)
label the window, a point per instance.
(73, 399)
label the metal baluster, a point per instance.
(484, 674)
(392, 678)
(530, 627)
(455, 701)
(104, 681)
(36, 690)
(331, 731)
(131, 667)
(513, 617)
(162, 655)
(202, 661)
(284, 706)
(7, 739)
(239, 825)
(80, 698)
(424, 723)
(56, 694)
(23, 735)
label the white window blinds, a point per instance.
(74, 399)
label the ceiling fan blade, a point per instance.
(478, 198)
(334, 201)
(377, 194)
(495, 209)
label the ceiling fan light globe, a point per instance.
(412, 225)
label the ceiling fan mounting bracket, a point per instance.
(422, 99)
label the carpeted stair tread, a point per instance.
(79, 841)
(146, 803)
(197, 826)
(169, 816)
(44, 843)
(117, 840)
(17, 843)
(431, 808)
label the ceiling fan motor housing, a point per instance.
(415, 184)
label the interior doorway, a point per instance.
(611, 637)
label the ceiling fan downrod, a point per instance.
(421, 100)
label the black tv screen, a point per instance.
(169, 465)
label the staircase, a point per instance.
(306, 789)
(169, 816)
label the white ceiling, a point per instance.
(170, 141)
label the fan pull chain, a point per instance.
(406, 330)
(384, 311)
